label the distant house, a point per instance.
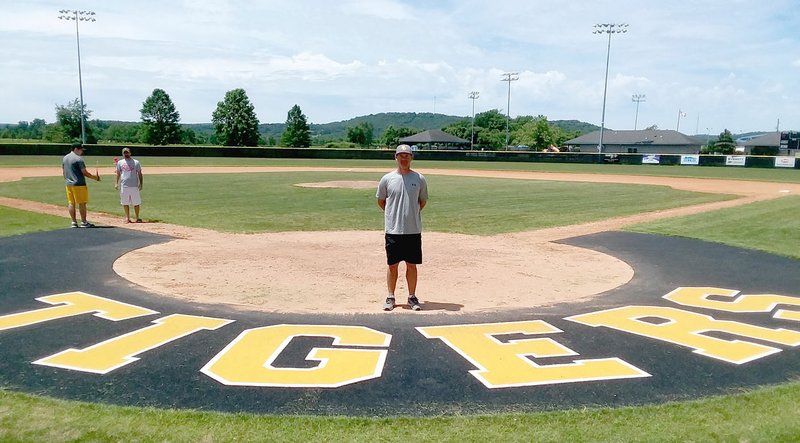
(646, 141)
(435, 138)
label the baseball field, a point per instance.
(315, 222)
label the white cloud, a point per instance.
(730, 62)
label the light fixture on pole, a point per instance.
(637, 98)
(79, 16)
(678, 126)
(607, 28)
(509, 77)
(473, 96)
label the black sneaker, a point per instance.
(413, 303)
(86, 224)
(388, 305)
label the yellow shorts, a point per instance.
(77, 195)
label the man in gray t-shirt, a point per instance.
(402, 194)
(75, 173)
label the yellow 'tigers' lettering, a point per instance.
(112, 354)
(72, 304)
(687, 328)
(248, 360)
(698, 298)
(507, 364)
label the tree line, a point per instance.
(235, 124)
(234, 120)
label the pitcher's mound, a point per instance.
(345, 272)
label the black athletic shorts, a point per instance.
(403, 247)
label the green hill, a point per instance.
(338, 130)
(570, 126)
(333, 131)
(421, 121)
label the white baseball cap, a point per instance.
(403, 149)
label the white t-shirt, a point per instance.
(402, 194)
(128, 173)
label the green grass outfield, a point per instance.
(766, 414)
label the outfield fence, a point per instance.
(747, 161)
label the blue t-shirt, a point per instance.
(73, 167)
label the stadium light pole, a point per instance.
(509, 77)
(473, 96)
(610, 29)
(637, 98)
(79, 16)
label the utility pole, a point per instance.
(473, 96)
(509, 77)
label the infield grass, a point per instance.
(15, 222)
(767, 414)
(770, 226)
(271, 202)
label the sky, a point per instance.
(702, 66)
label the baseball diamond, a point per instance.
(645, 319)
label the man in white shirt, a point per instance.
(129, 182)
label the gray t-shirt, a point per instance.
(402, 194)
(73, 167)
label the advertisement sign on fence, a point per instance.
(690, 160)
(651, 159)
(734, 160)
(784, 161)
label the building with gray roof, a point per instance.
(645, 141)
(435, 138)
